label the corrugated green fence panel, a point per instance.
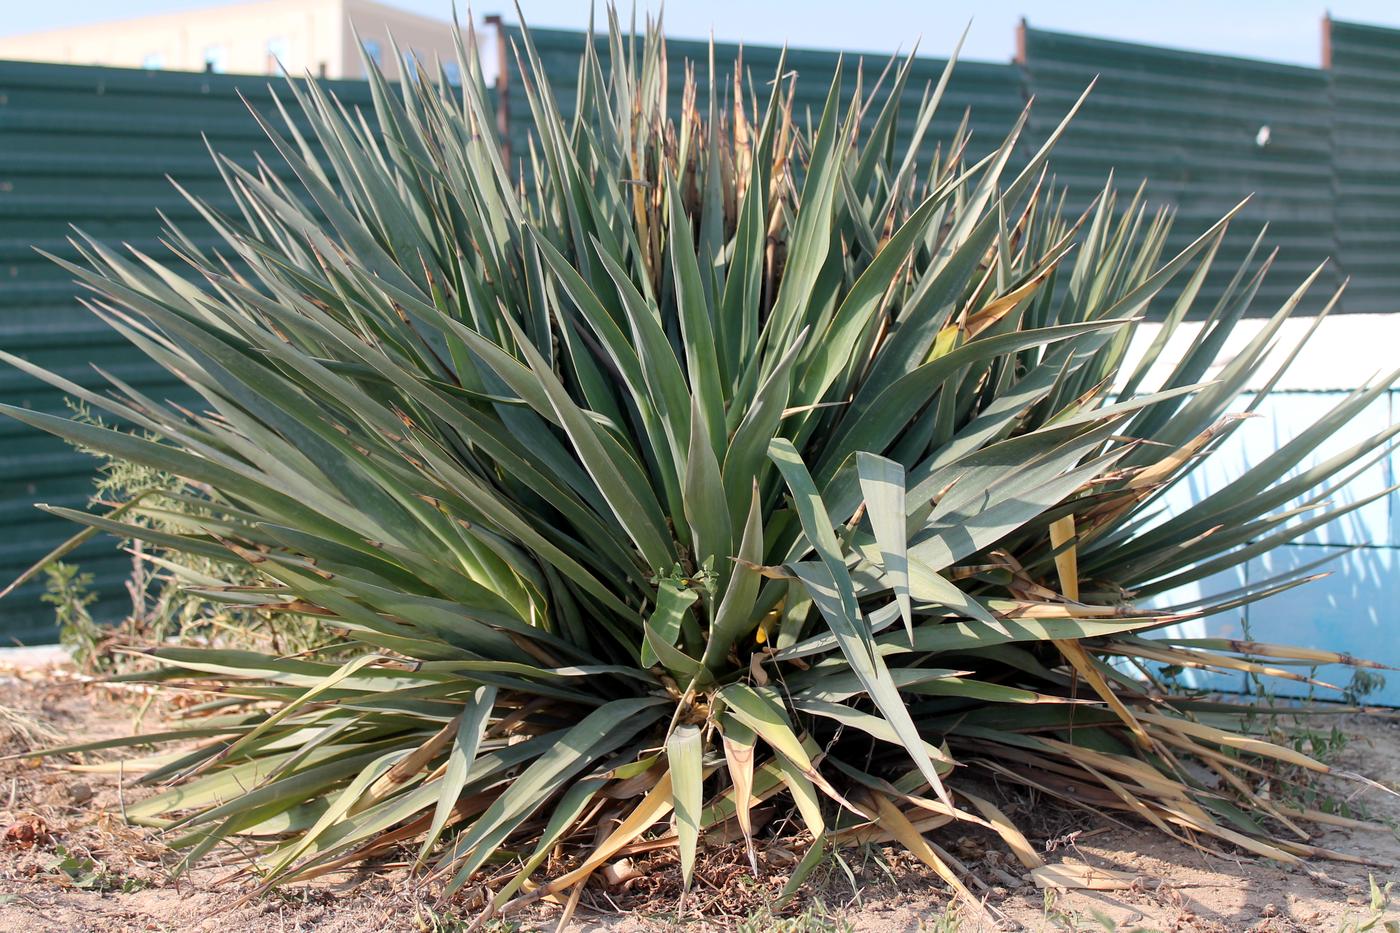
(91, 147)
(1365, 70)
(992, 93)
(1206, 131)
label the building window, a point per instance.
(216, 58)
(276, 54)
(453, 72)
(375, 51)
(154, 61)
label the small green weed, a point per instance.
(67, 589)
(815, 919)
(79, 871)
(1363, 684)
(949, 921)
(1376, 919)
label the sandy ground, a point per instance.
(68, 862)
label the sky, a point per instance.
(1277, 30)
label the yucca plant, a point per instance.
(690, 472)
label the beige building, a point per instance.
(249, 38)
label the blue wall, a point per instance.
(1356, 608)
